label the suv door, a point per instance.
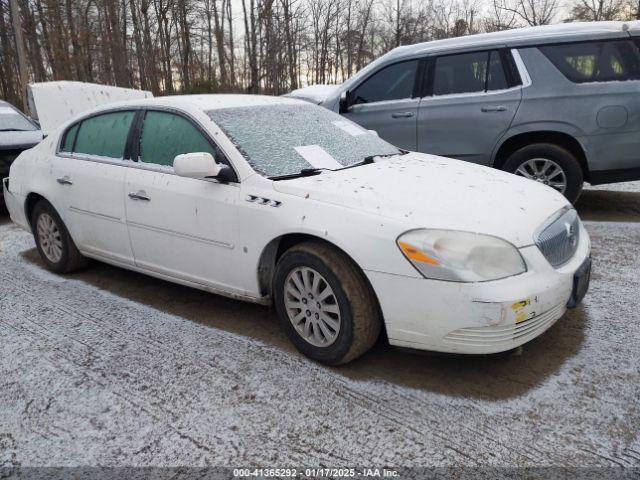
(89, 172)
(180, 227)
(387, 103)
(470, 101)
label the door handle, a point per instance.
(402, 115)
(494, 108)
(141, 195)
(64, 180)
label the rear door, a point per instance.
(87, 175)
(181, 227)
(470, 101)
(387, 103)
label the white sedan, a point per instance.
(273, 200)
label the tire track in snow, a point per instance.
(428, 428)
(78, 355)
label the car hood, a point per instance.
(426, 191)
(315, 93)
(19, 140)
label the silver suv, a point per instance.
(558, 104)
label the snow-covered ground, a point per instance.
(108, 367)
(617, 187)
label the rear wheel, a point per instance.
(324, 303)
(549, 164)
(53, 241)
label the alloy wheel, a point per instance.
(49, 237)
(312, 306)
(544, 171)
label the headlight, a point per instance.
(460, 256)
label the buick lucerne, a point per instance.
(278, 201)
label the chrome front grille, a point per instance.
(558, 239)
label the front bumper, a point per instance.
(486, 317)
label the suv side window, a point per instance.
(469, 73)
(602, 61)
(394, 82)
(496, 76)
(165, 135)
(103, 135)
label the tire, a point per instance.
(359, 321)
(64, 256)
(556, 155)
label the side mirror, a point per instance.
(196, 165)
(345, 101)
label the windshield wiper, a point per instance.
(308, 172)
(371, 159)
(13, 130)
(305, 172)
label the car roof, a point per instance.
(523, 36)
(208, 101)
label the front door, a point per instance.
(386, 102)
(471, 105)
(180, 227)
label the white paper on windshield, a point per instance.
(7, 110)
(350, 128)
(318, 157)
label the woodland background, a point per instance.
(254, 46)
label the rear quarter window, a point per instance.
(604, 61)
(70, 138)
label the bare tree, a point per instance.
(269, 46)
(597, 10)
(499, 17)
(534, 12)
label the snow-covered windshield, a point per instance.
(10, 120)
(284, 139)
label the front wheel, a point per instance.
(549, 164)
(324, 303)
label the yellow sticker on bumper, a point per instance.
(520, 305)
(519, 309)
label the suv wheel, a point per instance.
(53, 241)
(324, 304)
(549, 164)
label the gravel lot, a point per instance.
(108, 367)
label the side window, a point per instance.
(469, 73)
(165, 135)
(496, 77)
(104, 135)
(596, 61)
(70, 138)
(465, 73)
(394, 82)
